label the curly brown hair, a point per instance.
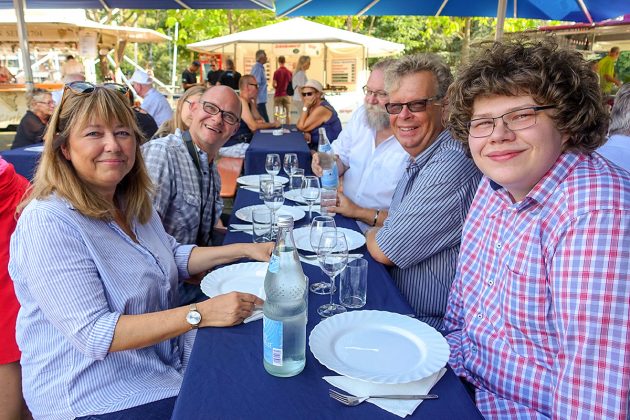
(549, 74)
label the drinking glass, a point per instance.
(290, 163)
(263, 179)
(310, 192)
(273, 196)
(295, 180)
(280, 113)
(319, 226)
(332, 255)
(272, 164)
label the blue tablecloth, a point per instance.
(263, 143)
(25, 161)
(226, 379)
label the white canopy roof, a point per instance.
(49, 26)
(300, 30)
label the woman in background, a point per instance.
(298, 80)
(182, 117)
(317, 113)
(31, 129)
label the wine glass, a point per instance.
(332, 255)
(272, 164)
(290, 163)
(319, 226)
(310, 192)
(282, 114)
(273, 197)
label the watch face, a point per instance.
(193, 317)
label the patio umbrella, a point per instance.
(566, 10)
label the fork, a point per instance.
(314, 256)
(351, 400)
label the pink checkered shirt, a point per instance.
(540, 306)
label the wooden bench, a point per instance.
(230, 169)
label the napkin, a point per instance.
(250, 188)
(271, 130)
(401, 408)
(255, 316)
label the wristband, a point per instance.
(378, 211)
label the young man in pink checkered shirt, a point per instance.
(539, 310)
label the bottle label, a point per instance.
(330, 177)
(324, 148)
(272, 341)
(274, 263)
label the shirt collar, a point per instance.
(420, 160)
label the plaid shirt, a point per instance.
(539, 309)
(177, 198)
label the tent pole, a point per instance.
(18, 5)
(501, 10)
(174, 68)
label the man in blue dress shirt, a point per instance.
(153, 101)
(258, 71)
(420, 237)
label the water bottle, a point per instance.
(285, 308)
(330, 176)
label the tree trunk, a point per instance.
(466, 42)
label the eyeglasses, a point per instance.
(253, 84)
(49, 103)
(310, 93)
(380, 94)
(212, 109)
(519, 119)
(419, 105)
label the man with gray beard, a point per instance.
(369, 157)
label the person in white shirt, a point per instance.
(617, 147)
(153, 101)
(369, 157)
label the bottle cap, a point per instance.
(285, 221)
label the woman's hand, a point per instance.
(307, 137)
(228, 309)
(259, 251)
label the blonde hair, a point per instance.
(302, 61)
(169, 126)
(56, 174)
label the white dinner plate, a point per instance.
(302, 238)
(254, 180)
(246, 277)
(380, 347)
(245, 213)
(296, 195)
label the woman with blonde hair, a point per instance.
(298, 80)
(96, 274)
(317, 112)
(182, 116)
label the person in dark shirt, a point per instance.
(32, 126)
(230, 77)
(189, 76)
(214, 74)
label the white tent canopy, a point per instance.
(300, 30)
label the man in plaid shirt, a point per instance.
(539, 310)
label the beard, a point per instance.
(377, 118)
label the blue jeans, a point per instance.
(157, 410)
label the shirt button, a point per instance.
(498, 245)
(491, 282)
(479, 315)
(474, 349)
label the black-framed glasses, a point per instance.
(227, 116)
(311, 93)
(518, 119)
(253, 84)
(419, 105)
(380, 94)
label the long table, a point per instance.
(265, 142)
(25, 161)
(225, 378)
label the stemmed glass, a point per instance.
(319, 226)
(310, 192)
(280, 113)
(290, 163)
(273, 196)
(332, 255)
(272, 164)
